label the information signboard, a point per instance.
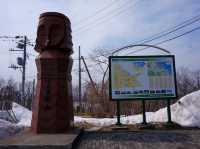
(142, 77)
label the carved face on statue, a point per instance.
(54, 32)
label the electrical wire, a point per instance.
(94, 20)
(95, 14)
(171, 30)
(105, 19)
(164, 41)
(167, 40)
(166, 32)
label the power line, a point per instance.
(171, 30)
(164, 41)
(105, 18)
(168, 31)
(167, 40)
(101, 17)
(15, 37)
(95, 14)
(174, 29)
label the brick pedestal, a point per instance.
(53, 108)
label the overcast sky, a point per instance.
(102, 24)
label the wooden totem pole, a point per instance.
(53, 104)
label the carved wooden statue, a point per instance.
(53, 104)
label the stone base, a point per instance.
(171, 125)
(122, 127)
(29, 140)
(145, 126)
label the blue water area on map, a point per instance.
(166, 66)
(139, 63)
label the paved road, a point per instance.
(180, 139)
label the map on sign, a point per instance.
(142, 77)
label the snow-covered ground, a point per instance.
(184, 112)
(8, 129)
(22, 114)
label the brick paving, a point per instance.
(147, 139)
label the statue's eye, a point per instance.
(41, 31)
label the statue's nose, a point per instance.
(47, 36)
(47, 42)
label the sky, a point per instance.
(101, 25)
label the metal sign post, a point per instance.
(169, 112)
(118, 113)
(143, 113)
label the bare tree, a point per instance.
(196, 78)
(185, 81)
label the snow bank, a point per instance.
(185, 112)
(188, 110)
(22, 114)
(94, 121)
(7, 128)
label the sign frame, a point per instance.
(143, 98)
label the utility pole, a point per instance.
(79, 54)
(24, 70)
(22, 62)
